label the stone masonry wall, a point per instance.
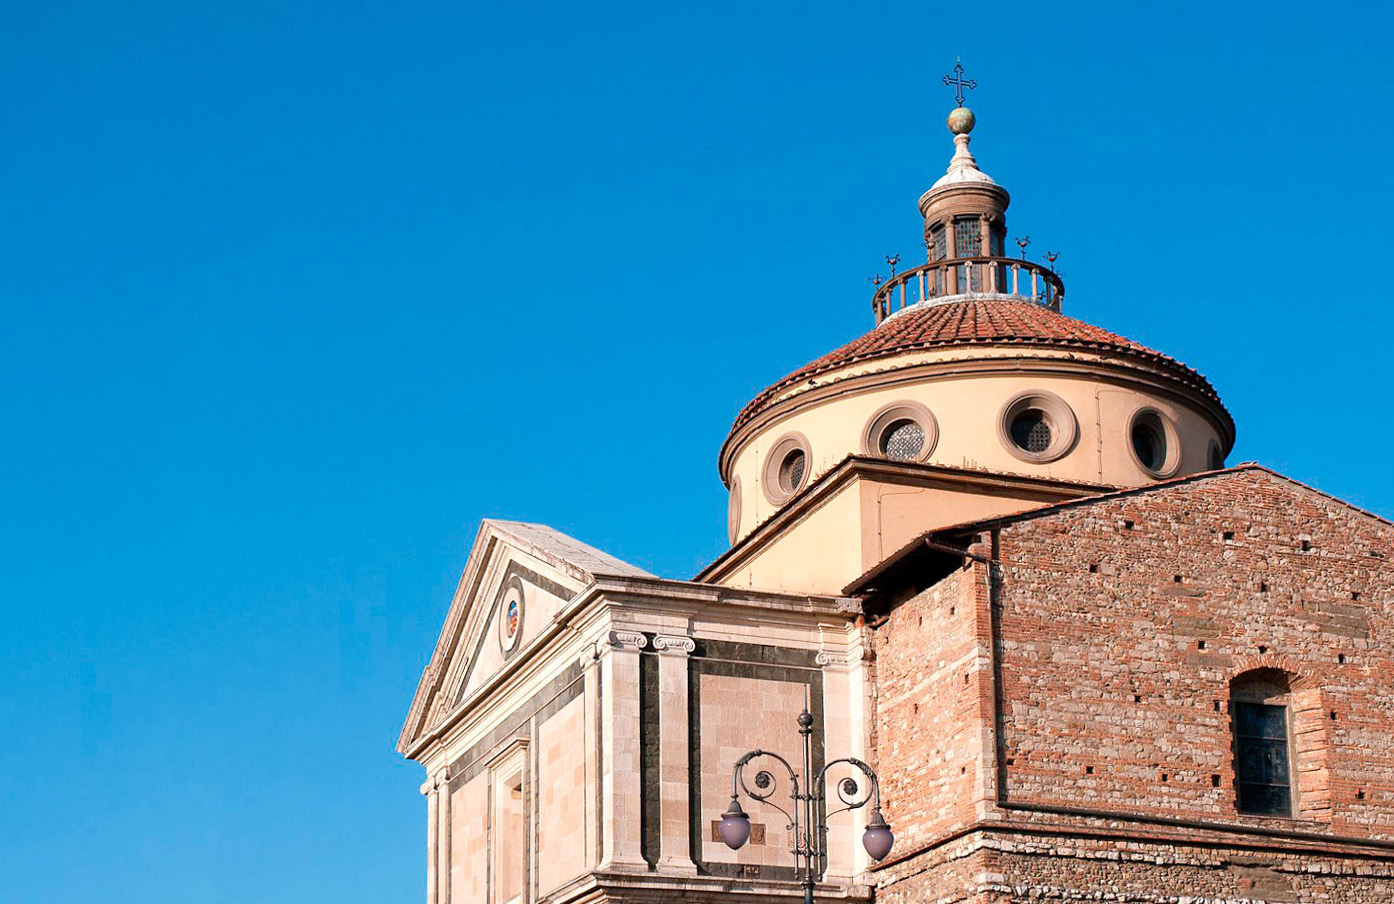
(1121, 624)
(999, 865)
(930, 709)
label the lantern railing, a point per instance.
(968, 277)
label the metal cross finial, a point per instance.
(959, 82)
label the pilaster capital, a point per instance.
(674, 644)
(441, 778)
(831, 660)
(624, 640)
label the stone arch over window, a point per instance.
(1279, 745)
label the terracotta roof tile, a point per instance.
(973, 322)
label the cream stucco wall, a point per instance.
(863, 522)
(966, 394)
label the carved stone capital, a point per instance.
(623, 640)
(675, 644)
(835, 660)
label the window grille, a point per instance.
(1031, 431)
(791, 470)
(968, 237)
(903, 440)
(938, 245)
(1261, 759)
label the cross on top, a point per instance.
(959, 82)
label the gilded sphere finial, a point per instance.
(961, 121)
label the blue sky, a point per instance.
(294, 295)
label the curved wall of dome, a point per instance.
(1060, 413)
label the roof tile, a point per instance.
(973, 322)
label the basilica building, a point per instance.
(991, 580)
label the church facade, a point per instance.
(991, 551)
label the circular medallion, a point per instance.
(511, 617)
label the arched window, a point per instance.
(1261, 725)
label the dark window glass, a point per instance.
(938, 244)
(1261, 759)
(791, 470)
(1149, 446)
(997, 237)
(968, 237)
(1031, 431)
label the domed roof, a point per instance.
(976, 322)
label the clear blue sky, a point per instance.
(294, 295)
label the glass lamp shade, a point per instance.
(734, 827)
(878, 838)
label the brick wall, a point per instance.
(1122, 623)
(932, 706)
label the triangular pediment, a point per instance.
(517, 578)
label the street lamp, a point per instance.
(809, 820)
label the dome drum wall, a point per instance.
(941, 205)
(1089, 408)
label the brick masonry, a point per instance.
(1063, 733)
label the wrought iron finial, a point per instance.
(958, 82)
(875, 280)
(892, 260)
(1022, 243)
(1052, 257)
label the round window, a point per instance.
(786, 469)
(1031, 431)
(733, 511)
(903, 440)
(511, 616)
(902, 431)
(791, 470)
(1149, 445)
(1154, 443)
(1038, 427)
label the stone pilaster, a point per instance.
(674, 805)
(620, 772)
(845, 735)
(432, 792)
(590, 732)
(443, 837)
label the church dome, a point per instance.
(972, 365)
(980, 322)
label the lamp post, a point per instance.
(809, 819)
